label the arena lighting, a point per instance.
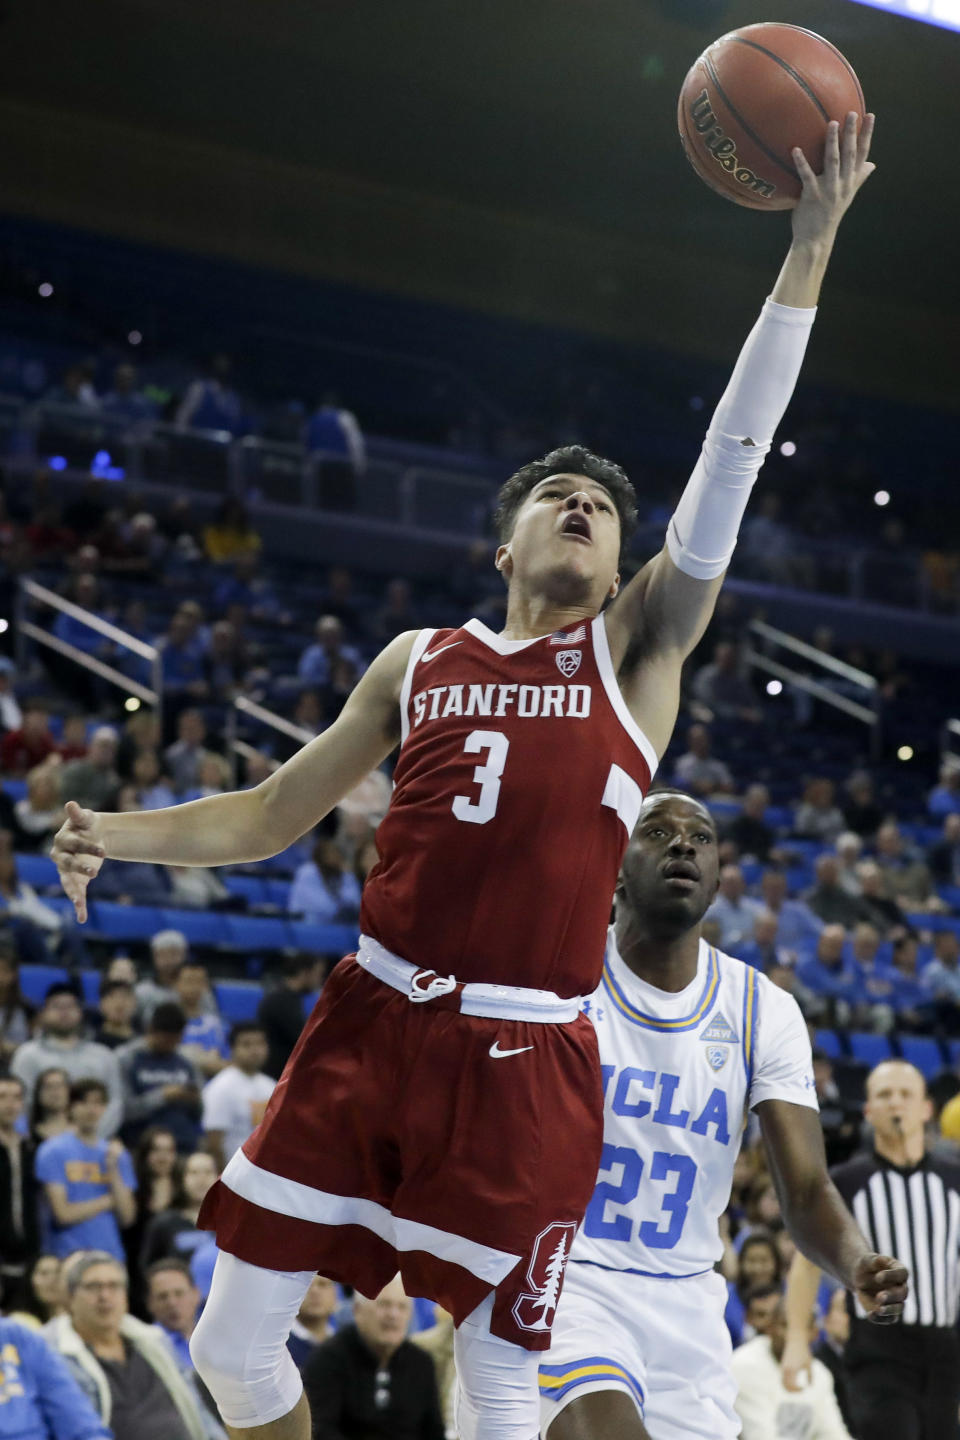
(905, 752)
(788, 448)
(131, 703)
(882, 497)
(4, 626)
(134, 337)
(932, 12)
(774, 687)
(46, 289)
(57, 462)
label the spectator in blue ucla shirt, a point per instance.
(39, 1398)
(88, 1182)
(316, 663)
(912, 1001)
(182, 658)
(941, 977)
(944, 798)
(324, 890)
(833, 976)
(798, 928)
(205, 1036)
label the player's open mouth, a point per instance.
(681, 872)
(578, 526)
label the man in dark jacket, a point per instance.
(369, 1382)
(281, 1011)
(19, 1230)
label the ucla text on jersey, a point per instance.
(679, 1073)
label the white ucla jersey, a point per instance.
(680, 1072)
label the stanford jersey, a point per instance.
(442, 1112)
(520, 778)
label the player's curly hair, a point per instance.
(569, 460)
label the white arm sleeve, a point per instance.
(702, 534)
(783, 1067)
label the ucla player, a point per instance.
(690, 1040)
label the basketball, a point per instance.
(751, 97)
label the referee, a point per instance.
(903, 1382)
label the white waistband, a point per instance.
(501, 1002)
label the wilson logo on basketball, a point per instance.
(723, 149)
(568, 662)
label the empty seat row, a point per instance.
(927, 1054)
(237, 999)
(247, 933)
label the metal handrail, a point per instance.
(111, 632)
(869, 714)
(26, 629)
(810, 652)
(241, 705)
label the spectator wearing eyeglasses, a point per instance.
(126, 1368)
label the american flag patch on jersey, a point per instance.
(575, 637)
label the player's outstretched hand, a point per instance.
(881, 1286)
(78, 854)
(795, 1363)
(846, 166)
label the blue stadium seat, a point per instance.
(35, 981)
(257, 932)
(201, 927)
(90, 984)
(237, 1001)
(799, 877)
(16, 789)
(778, 816)
(808, 850)
(924, 1052)
(869, 1049)
(278, 893)
(61, 904)
(950, 895)
(829, 1042)
(953, 1049)
(752, 870)
(248, 887)
(324, 939)
(126, 922)
(37, 870)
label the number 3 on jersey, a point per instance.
(479, 811)
(673, 1204)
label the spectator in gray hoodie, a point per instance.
(60, 1045)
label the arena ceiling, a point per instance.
(515, 156)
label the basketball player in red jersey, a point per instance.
(441, 1114)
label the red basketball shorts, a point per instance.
(460, 1150)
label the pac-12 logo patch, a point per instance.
(535, 1311)
(568, 662)
(717, 1056)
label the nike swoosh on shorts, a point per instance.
(496, 1053)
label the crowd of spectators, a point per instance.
(117, 1115)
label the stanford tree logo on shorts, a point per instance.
(535, 1311)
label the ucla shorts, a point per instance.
(661, 1341)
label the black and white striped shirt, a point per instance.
(911, 1212)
